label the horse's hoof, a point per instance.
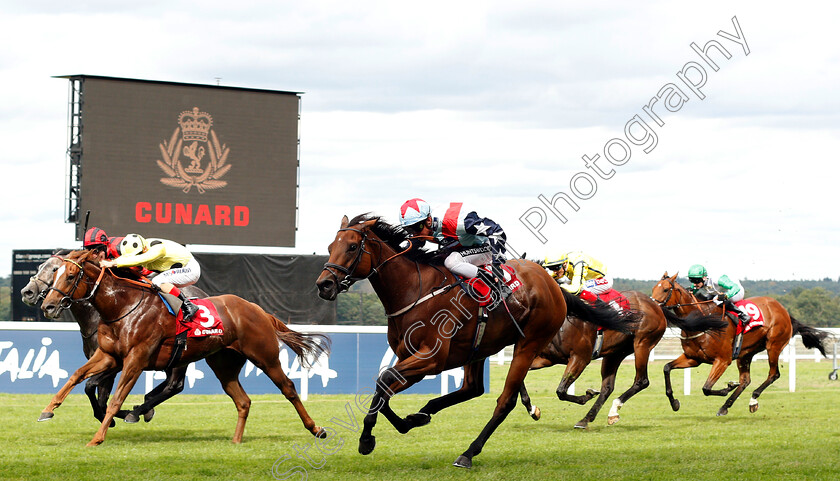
(366, 444)
(583, 424)
(93, 443)
(612, 420)
(592, 393)
(753, 404)
(131, 418)
(535, 413)
(418, 419)
(675, 404)
(723, 412)
(462, 462)
(45, 416)
(148, 415)
(320, 433)
(754, 408)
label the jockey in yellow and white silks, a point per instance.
(579, 273)
(175, 265)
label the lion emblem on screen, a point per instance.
(194, 139)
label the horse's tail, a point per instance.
(308, 346)
(695, 321)
(600, 314)
(812, 338)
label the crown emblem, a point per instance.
(196, 140)
(195, 125)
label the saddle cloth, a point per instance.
(480, 292)
(756, 317)
(206, 322)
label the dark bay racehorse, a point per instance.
(574, 346)
(98, 387)
(433, 324)
(137, 333)
(716, 348)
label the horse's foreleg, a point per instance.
(743, 382)
(681, 362)
(472, 387)
(98, 362)
(609, 368)
(533, 411)
(226, 364)
(573, 370)
(172, 386)
(132, 368)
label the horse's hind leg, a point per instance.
(773, 360)
(609, 368)
(98, 389)
(681, 362)
(226, 365)
(743, 382)
(640, 383)
(274, 371)
(170, 387)
(718, 368)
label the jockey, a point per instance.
(472, 240)
(175, 265)
(96, 238)
(725, 290)
(580, 274)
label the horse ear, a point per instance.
(674, 277)
(344, 222)
(370, 223)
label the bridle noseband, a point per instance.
(349, 278)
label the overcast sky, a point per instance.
(491, 103)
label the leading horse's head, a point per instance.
(668, 291)
(361, 246)
(39, 284)
(71, 282)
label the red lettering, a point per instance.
(203, 215)
(163, 217)
(222, 215)
(183, 213)
(241, 215)
(142, 212)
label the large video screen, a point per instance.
(196, 164)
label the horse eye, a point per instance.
(353, 247)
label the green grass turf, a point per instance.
(793, 436)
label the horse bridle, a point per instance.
(42, 294)
(349, 278)
(674, 307)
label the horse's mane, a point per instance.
(61, 252)
(396, 237)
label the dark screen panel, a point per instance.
(192, 163)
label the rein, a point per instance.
(349, 279)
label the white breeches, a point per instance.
(181, 276)
(467, 265)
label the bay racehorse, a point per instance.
(574, 345)
(716, 348)
(98, 387)
(137, 333)
(433, 324)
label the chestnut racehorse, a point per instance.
(137, 333)
(433, 326)
(716, 348)
(574, 346)
(98, 388)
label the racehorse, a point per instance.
(433, 324)
(137, 333)
(574, 346)
(98, 387)
(716, 348)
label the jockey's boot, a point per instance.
(187, 307)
